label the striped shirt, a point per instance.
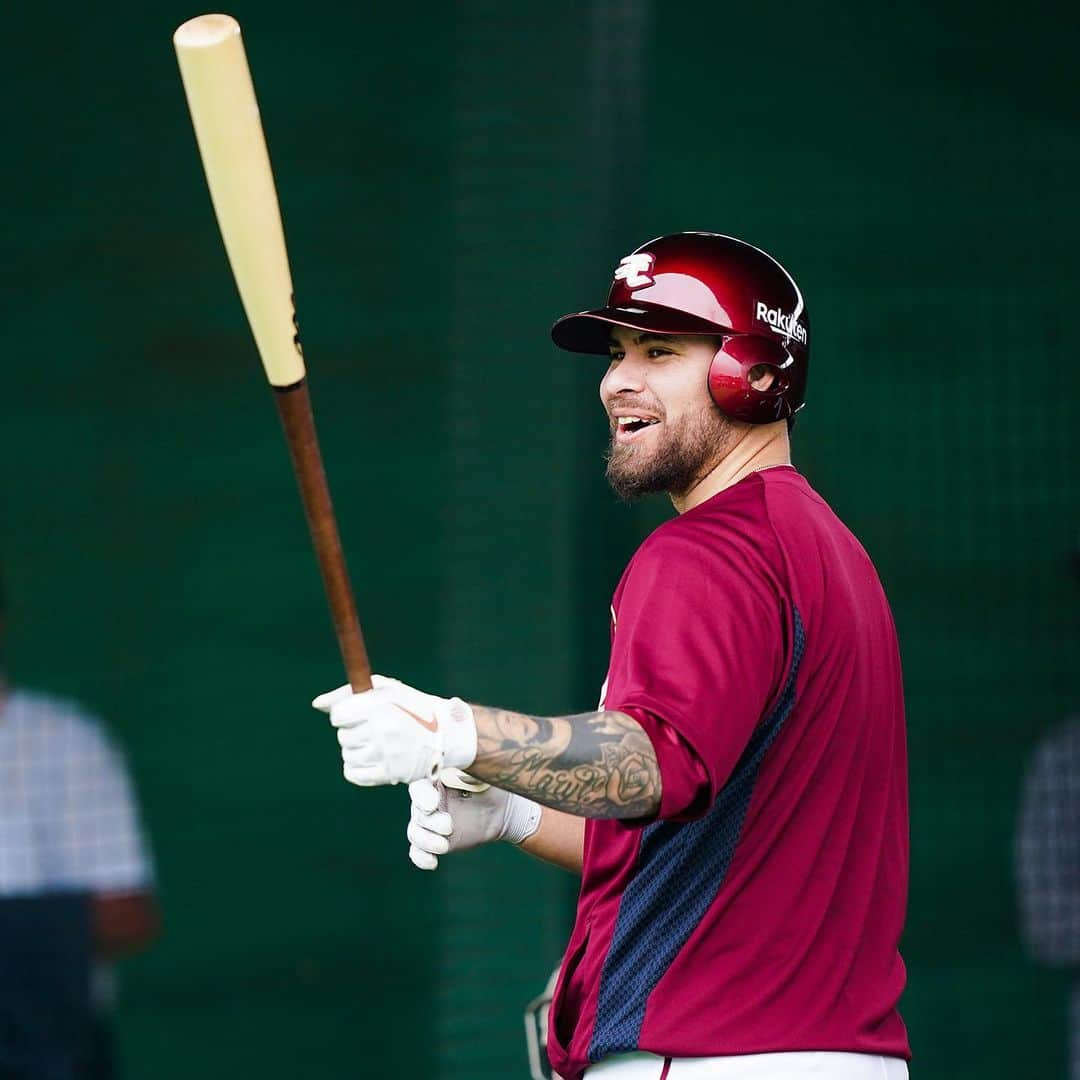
(68, 815)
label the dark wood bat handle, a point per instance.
(294, 407)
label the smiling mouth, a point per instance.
(629, 427)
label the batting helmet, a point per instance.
(705, 283)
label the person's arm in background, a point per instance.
(123, 923)
(100, 842)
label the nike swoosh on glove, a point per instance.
(394, 734)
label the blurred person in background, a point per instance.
(1047, 855)
(737, 805)
(76, 885)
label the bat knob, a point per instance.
(461, 781)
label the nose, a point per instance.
(625, 377)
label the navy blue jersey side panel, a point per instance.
(681, 867)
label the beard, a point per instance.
(684, 454)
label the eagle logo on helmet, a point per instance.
(636, 269)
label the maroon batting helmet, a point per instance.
(705, 283)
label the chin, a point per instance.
(631, 479)
(673, 467)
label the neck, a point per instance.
(758, 447)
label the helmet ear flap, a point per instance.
(742, 360)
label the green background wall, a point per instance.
(453, 177)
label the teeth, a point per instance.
(626, 420)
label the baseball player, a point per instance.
(737, 806)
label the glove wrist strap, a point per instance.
(522, 819)
(459, 740)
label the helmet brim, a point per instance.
(590, 331)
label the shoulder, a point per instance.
(709, 529)
(667, 557)
(730, 534)
(1057, 753)
(56, 717)
(792, 505)
(710, 564)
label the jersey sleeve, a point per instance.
(698, 655)
(98, 841)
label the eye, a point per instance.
(657, 351)
(617, 355)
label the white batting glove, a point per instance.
(447, 818)
(392, 733)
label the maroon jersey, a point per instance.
(761, 910)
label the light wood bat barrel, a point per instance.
(225, 115)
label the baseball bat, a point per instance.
(225, 115)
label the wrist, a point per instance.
(520, 819)
(459, 736)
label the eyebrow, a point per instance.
(642, 339)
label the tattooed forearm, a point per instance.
(594, 765)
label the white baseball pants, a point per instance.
(809, 1065)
